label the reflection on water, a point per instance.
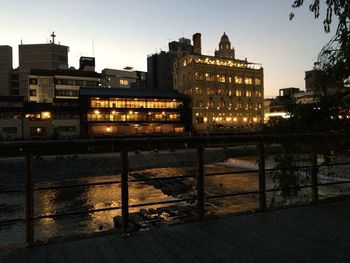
(107, 196)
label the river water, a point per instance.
(106, 196)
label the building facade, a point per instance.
(115, 112)
(47, 85)
(11, 117)
(226, 92)
(127, 78)
(160, 65)
(5, 70)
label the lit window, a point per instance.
(199, 76)
(248, 81)
(220, 78)
(258, 94)
(238, 80)
(210, 91)
(238, 93)
(210, 103)
(248, 93)
(209, 77)
(198, 91)
(45, 115)
(257, 81)
(124, 82)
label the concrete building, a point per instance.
(160, 65)
(278, 108)
(226, 92)
(39, 56)
(47, 85)
(127, 78)
(5, 70)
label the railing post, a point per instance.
(29, 202)
(124, 188)
(262, 180)
(200, 183)
(314, 177)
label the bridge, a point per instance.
(317, 233)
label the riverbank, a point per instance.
(51, 168)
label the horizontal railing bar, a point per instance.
(182, 139)
(77, 213)
(334, 183)
(162, 178)
(12, 221)
(75, 185)
(231, 194)
(10, 191)
(162, 202)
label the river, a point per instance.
(105, 196)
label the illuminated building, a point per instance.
(113, 112)
(226, 92)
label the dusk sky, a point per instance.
(125, 32)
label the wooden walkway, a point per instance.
(307, 234)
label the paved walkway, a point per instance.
(307, 234)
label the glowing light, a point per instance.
(234, 119)
(108, 129)
(45, 115)
(245, 119)
(255, 119)
(96, 112)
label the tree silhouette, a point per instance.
(334, 58)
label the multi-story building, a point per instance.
(113, 112)
(160, 65)
(39, 56)
(47, 85)
(226, 92)
(127, 78)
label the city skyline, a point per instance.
(122, 33)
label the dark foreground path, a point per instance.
(318, 233)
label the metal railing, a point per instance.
(30, 149)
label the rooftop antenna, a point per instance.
(93, 47)
(53, 37)
(21, 42)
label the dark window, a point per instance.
(33, 81)
(14, 92)
(32, 92)
(10, 129)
